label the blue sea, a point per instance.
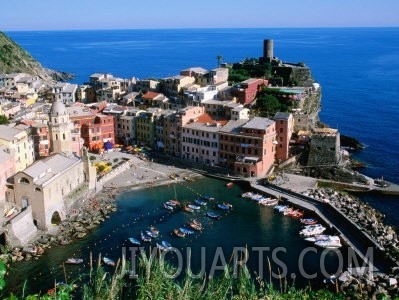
(357, 68)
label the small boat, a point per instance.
(281, 208)
(212, 215)
(65, 241)
(247, 195)
(268, 202)
(195, 226)
(228, 204)
(320, 237)
(195, 221)
(311, 230)
(189, 179)
(134, 241)
(74, 261)
(287, 211)
(145, 238)
(193, 206)
(178, 233)
(223, 206)
(108, 261)
(188, 209)
(151, 234)
(166, 244)
(296, 214)
(174, 202)
(200, 202)
(229, 184)
(170, 203)
(308, 221)
(168, 207)
(330, 243)
(186, 230)
(207, 198)
(154, 230)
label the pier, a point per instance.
(353, 235)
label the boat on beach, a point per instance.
(108, 261)
(74, 261)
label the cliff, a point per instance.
(14, 59)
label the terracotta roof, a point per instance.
(150, 95)
(206, 118)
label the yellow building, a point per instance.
(20, 145)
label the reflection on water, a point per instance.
(266, 234)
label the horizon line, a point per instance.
(201, 28)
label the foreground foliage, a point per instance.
(153, 282)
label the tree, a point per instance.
(268, 105)
(4, 120)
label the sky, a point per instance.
(130, 14)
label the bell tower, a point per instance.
(59, 128)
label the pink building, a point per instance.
(247, 90)
(284, 128)
(248, 147)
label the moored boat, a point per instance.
(200, 202)
(108, 261)
(229, 184)
(268, 202)
(74, 261)
(330, 243)
(308, 221)
(151, 234)
(193, 206)
(207, 198)
(212, 215)
(223, 206)
(134, 241)
(296, 213)
(154, 230)
(195, 226)
(168, 207)
(174, 202)
(186, 230)
(145, 238)
(166, 244)
(188, 209)
(310, 230)
(178, 233)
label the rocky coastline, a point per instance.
(367, 285)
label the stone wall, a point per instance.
(21, 228)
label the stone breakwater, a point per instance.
(90, 213)
(369, 285)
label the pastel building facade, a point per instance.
(248, 146)
(284, 128)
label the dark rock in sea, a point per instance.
(350, 143)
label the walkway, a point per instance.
(350, 232)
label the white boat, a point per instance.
(321, 237)
(268, 202)
(311, 230)
(108, 261)
(331, 243)
(74, 261)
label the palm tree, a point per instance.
(219, 58)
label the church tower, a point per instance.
(60, 129)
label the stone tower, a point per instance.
(60, 129)
(268, 50)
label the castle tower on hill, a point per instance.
(60, 129)
(268, 47)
